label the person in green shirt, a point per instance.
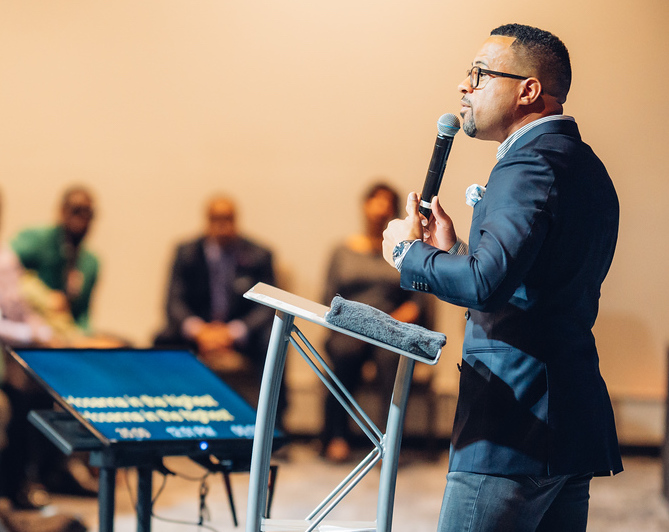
(57, 256)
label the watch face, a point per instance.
(399, 248)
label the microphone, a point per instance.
(447, 126)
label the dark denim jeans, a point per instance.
(517, 503)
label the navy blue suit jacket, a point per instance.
(531, 400)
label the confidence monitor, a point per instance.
(163, 401)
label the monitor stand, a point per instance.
(70, 436)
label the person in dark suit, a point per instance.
(206, 309)
(534, 420)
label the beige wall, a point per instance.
(292, 106)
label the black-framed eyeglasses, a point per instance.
(80, 210)
(474, 74)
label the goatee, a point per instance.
(469, 127)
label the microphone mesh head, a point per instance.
(448, 125)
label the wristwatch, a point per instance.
(399, 251)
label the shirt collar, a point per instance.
(505, 146)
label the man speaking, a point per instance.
(534, 420)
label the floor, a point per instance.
(629, 502)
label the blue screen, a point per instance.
(143, 395)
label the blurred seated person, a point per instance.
(20, 325)
(58, 258)
(17, 520)
(206, 308)
(33, 314)
(358, 272)
(53, 275)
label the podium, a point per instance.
(385, 446)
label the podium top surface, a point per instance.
(314, 312)
(287, 302)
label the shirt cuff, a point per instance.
(459, 248)
(14, 332)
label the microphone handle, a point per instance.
(435, 172)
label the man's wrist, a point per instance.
(238, 331)
(191, 327)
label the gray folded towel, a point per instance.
(373, 323)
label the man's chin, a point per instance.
(468, 124)
(470, 129)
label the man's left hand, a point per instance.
(410, 228)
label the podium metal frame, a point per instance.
(386, 446)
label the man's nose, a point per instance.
(465, 86)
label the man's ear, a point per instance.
(530, 90)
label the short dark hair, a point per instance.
(544, 52)
(380, 186)
(73, 190)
